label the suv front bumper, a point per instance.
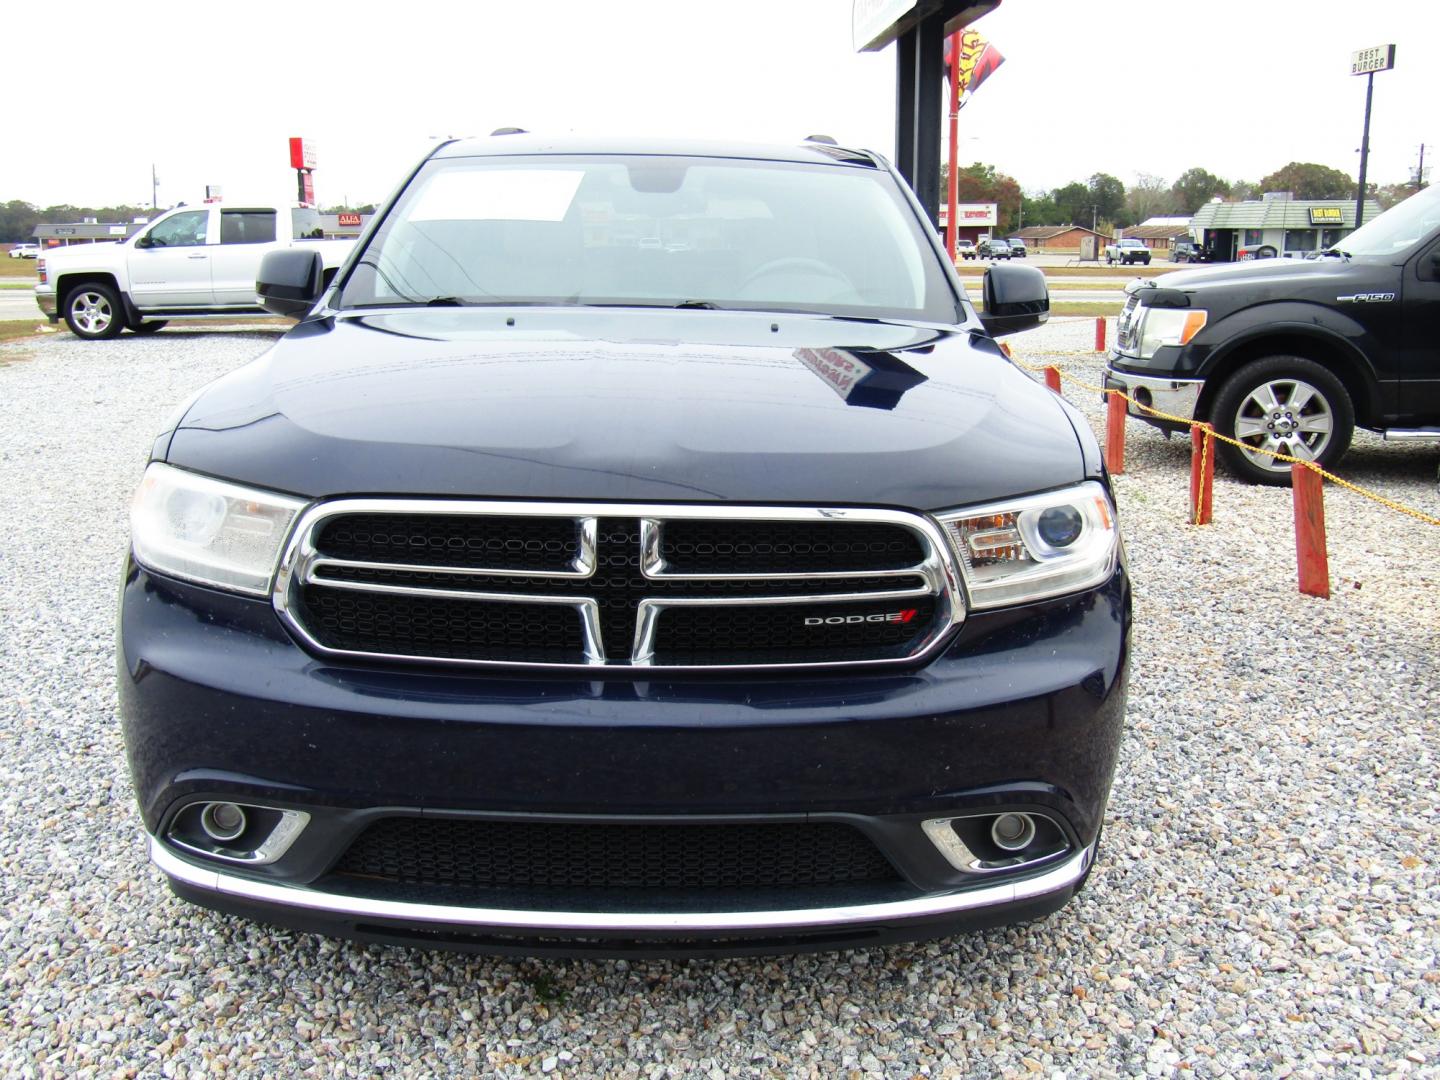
(1022, 712)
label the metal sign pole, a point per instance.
(1364, 152)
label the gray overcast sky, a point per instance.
(210, 94)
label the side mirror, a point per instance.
(289, 281)
(1016, 299)
(143, 241)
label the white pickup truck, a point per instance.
(192, 262)
(1127, 251)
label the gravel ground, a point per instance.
(1265, 906)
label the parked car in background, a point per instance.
(993, 248)
(1291, 355)
(192, 262)
(1188, 250)
(1017, 248)
(1127, 251)
(540, 591)
(965, 249)
(1263, 251)
(25, 251)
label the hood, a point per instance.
(74, 251)
(632, 404)
(1259, 272)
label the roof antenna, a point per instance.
(509, 131)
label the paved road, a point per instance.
(18, 304)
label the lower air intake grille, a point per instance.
(489, 854)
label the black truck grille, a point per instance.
(533, 855)
(463, 583)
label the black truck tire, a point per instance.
(148, 327)
(93, 311)
(1284, 403)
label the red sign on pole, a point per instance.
(301, 155)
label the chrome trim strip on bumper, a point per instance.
(301, 561)
(1062, 876)
(1178, 397)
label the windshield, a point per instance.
(1399, 228)
(654, 231)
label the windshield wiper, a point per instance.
(1335, 251)
(705, 304)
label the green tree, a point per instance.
(1072, 203)
(1307, 180)
(1040, 209)
(1107, 198)
(1195, 187)
(981, 183)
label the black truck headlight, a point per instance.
(209, 531)
(1168, 326)
(1035, 547)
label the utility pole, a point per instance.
(1420, 170)
(154, 187)
(1367, 62)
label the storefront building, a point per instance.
(1276, 226)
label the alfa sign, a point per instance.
(1369, 61)
(350, 221)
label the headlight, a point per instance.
(1039, 546)
(1168, 326)
(209, 531)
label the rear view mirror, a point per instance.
(1016, 298)
(290, 281)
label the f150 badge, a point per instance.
(1367, 298)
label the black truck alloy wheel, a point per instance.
(1286, 404)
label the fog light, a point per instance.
(1013, 832)
(222, 821)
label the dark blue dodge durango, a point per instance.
(636, 547)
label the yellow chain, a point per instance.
(1190, 421)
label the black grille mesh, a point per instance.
(474, 540)
(743, 635)
(438, 852)
(434, 626)
(786, 547)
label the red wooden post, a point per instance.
(1310, 531)
(1100, 334)
(1052, 378)
(1202, 473)
(1115, 434)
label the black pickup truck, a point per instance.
(639, 545)
(1290, 356)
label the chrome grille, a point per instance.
(623, 586)
(1128, 325)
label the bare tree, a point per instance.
(1148, 196)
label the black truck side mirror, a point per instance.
(290, 281)
(1016, 298)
